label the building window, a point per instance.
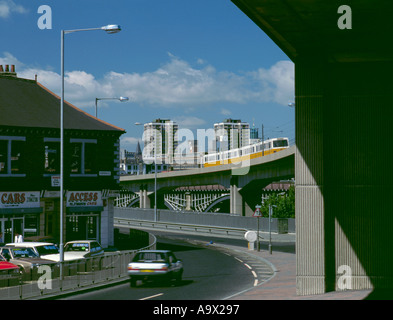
(52, 156)
(83, 157)
(12, 155)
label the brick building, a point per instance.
(30, 165)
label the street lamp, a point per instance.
(111, 28)
(121, 99)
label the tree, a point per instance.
(284, 204)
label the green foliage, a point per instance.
(284, 205)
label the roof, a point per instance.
(27, 103)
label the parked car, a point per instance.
(83, 249)
(9, 273)
(44, 250)
(154, 264)
(27, 260)
(73, 250)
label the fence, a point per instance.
(77, 275)
(205, 219)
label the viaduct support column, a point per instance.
(144, 200)
(236, 200)
(343, 173)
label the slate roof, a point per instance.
(27, 103)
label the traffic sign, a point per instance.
(257, 212)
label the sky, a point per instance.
(196, 62)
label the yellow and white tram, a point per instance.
(245, 153)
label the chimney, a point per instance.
(5, 72)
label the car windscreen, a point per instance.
(80, 246)
(23, 253)
(149, 257)
(47, 249)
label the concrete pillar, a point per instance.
(146, 199)
(236, 200)
(343, 175)
(141, 197)
(188, 201)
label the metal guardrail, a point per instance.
(80, 274)
(170, 226)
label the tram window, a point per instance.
(280, 143)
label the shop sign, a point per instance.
(20, 199)
(84, 198)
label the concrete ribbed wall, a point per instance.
(343, 175)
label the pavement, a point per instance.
(282, 286)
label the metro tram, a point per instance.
(245, 153)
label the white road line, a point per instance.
(156, 295)
(255, 282)
(239, 260)
(247, 266)
(254, 273)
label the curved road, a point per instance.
(208, 275)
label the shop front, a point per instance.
(19, 213)
(83, 215)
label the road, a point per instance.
(208, 275)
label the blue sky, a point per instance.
(195, 62)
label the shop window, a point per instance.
(12, 154)
(83, 157)
(76, 158)
(52, 156)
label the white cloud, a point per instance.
(225, 112)
(277, 82)
(129, 141)
(175, 84)
(8, 6)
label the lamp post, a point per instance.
(121, 99)
(111, 28)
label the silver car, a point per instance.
(154, 264)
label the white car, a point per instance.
(80, 249)
(154, 264)
(44, 250)
(73, 250)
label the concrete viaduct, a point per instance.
(343, 56)
(244, 180)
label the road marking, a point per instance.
(239, 259)
(247, 266)
(156, 295)
(255, 282)
(254, 273)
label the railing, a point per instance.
(78, 275)
(234, 232)
(206, 219)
